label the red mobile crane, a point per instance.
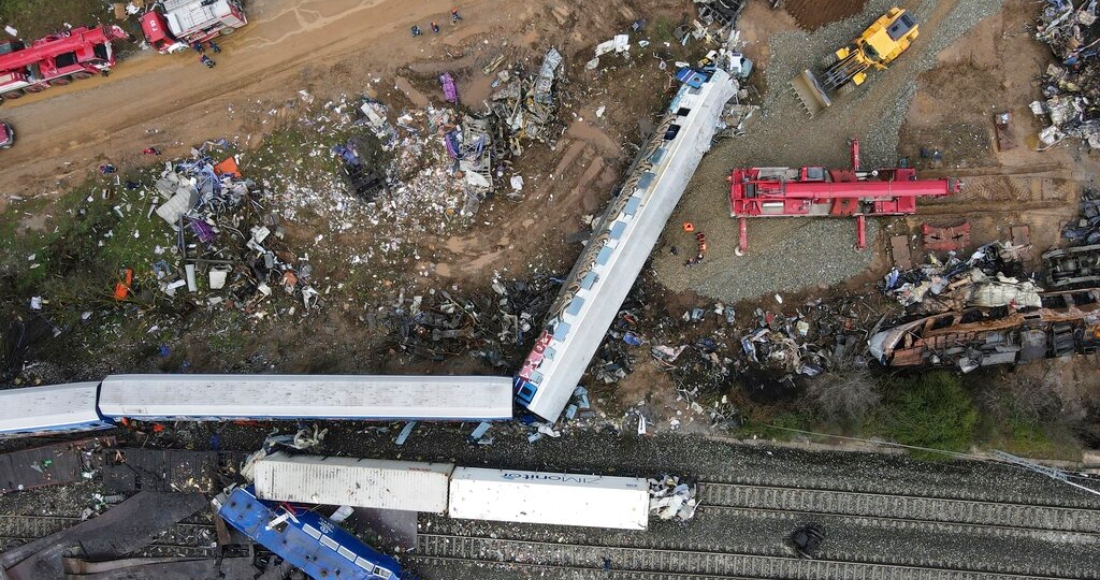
(180, 23)
(57, 59)
(816, 191)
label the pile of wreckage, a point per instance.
(402, 166)
(972, 315)
(721, 13)
(524, 106)
(954, 284)
(1071, 90)
(804, 341)
(672, 497)
(225, 237)
(491, 328)
(1079, 264)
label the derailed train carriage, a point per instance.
(91, 406)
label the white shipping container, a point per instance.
(549, 498)
(373, 483)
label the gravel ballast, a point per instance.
(787, 255)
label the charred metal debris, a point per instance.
(1070, 89)
(721, 13)
(1078, 265)
(986, 311)
(993, 276)
(707, 349)
(493, 328)
(225, 236)
(1063, 323)
(524, 106)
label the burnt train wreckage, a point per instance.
(1065, 323)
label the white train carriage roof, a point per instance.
(622, 242)
(49, 408)
(307, 397)
(371, 483)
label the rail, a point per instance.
(589, 561)
(180, 540)
(900, 507)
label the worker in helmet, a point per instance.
(454, 15)
(435, 27)
(416, 30)
(206, 60)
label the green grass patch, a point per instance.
(300, 152)
(930, 410)
(37, 18)
(95, 231)
(776, 423)
(1027, 436)
(663, 29)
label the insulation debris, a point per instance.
(672, 497)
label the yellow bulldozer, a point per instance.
(847, 68)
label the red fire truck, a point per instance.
(57, 59)
(181, 23)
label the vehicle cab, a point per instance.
(7, 135)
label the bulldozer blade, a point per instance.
(809, 91)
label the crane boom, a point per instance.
(817, 191)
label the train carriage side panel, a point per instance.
(321, 548)
(372, 483)
(549, 498)
(362, 397)
(48, 409)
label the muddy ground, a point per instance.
(335, 48)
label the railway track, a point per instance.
(779, 507)
(182, 539)
(903, 508)
(1059, 497)
(579, 562)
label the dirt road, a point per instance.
(173, 101)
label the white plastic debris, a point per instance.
(259, 234)
(670, 497)
(477, 180)
(36, 303)
(217, 279)
(549, 431)
(342, 513)
(620, 43)
(405, 432)
(171, 288)
(480, 434)
(516, 182)
(304, 438)
(600, 111)
(192, 285)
